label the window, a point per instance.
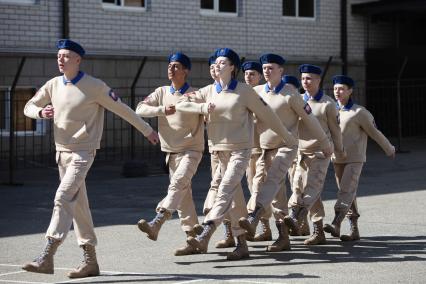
(219, 7)
(23, 125)
(124, 3)
(299, 8)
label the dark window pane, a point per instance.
(2, 109)
(207, 4)
(229, 6)
(134, 3)
(306, 8)
(109, 1)
(289, 8)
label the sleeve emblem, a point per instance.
(112, 95)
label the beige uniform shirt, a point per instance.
(324, 109)
(289, 106)
(179, 131)
(357, 124)
(79, 111)
(230, 125)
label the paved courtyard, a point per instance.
(392, 201)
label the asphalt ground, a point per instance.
(392, 201)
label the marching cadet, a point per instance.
(252, 76)
(182, 138)
(230, 132)
(357, 124)
(76, 103)
(228, 240)
(278, 156)
(304, 225)
(312, 165)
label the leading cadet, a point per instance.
(76, 103)
(312, 165)
(230, 132)
(357, 124)
(278, 156)
(182, 139)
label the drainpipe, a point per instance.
(344, 36)
(65, 19)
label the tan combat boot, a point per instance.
(228, 241)
(241, 251)
(292, 220)
(187, 249)
(153, 228)
(283, 241)
(250, 223)
(354, 234)
(304, 226)
(89, 266)
(266, 234)
(318, 237)
(44, 262)
(201, 241)
(334, 228)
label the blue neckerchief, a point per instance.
(317, 97)
(75, 80)
(277, 89)
(182, 90)
(232, 86)
(346, 107)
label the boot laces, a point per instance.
(88, 254)
(228, 232)
(47, 249)
(157, 218)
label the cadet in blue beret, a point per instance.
(357, 124)
(311, 169)
(182, 140)
(70, 45)
(231, 55)
(342, 79)
(309, 68)
(272, 58)
(229, 106)
(288, 79)
(212, 64)
(76, 103)
(252, 72)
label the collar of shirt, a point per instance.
(232, 86)
(277, 89)
(182, 90)
(317, 97)
(75, 80)
(346, 107)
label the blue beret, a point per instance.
(230, 54)
(252, 65)
(291, 80)
(309, 68)
(212, 60)
(70, 45)
(272, 58)
(181, 58)
(342, 79)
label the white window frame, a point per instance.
(297, 13)
(121, 7)
(18, 2)
(41, 124)
(215, 11)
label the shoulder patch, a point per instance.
(112, 95)
(307, 108)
